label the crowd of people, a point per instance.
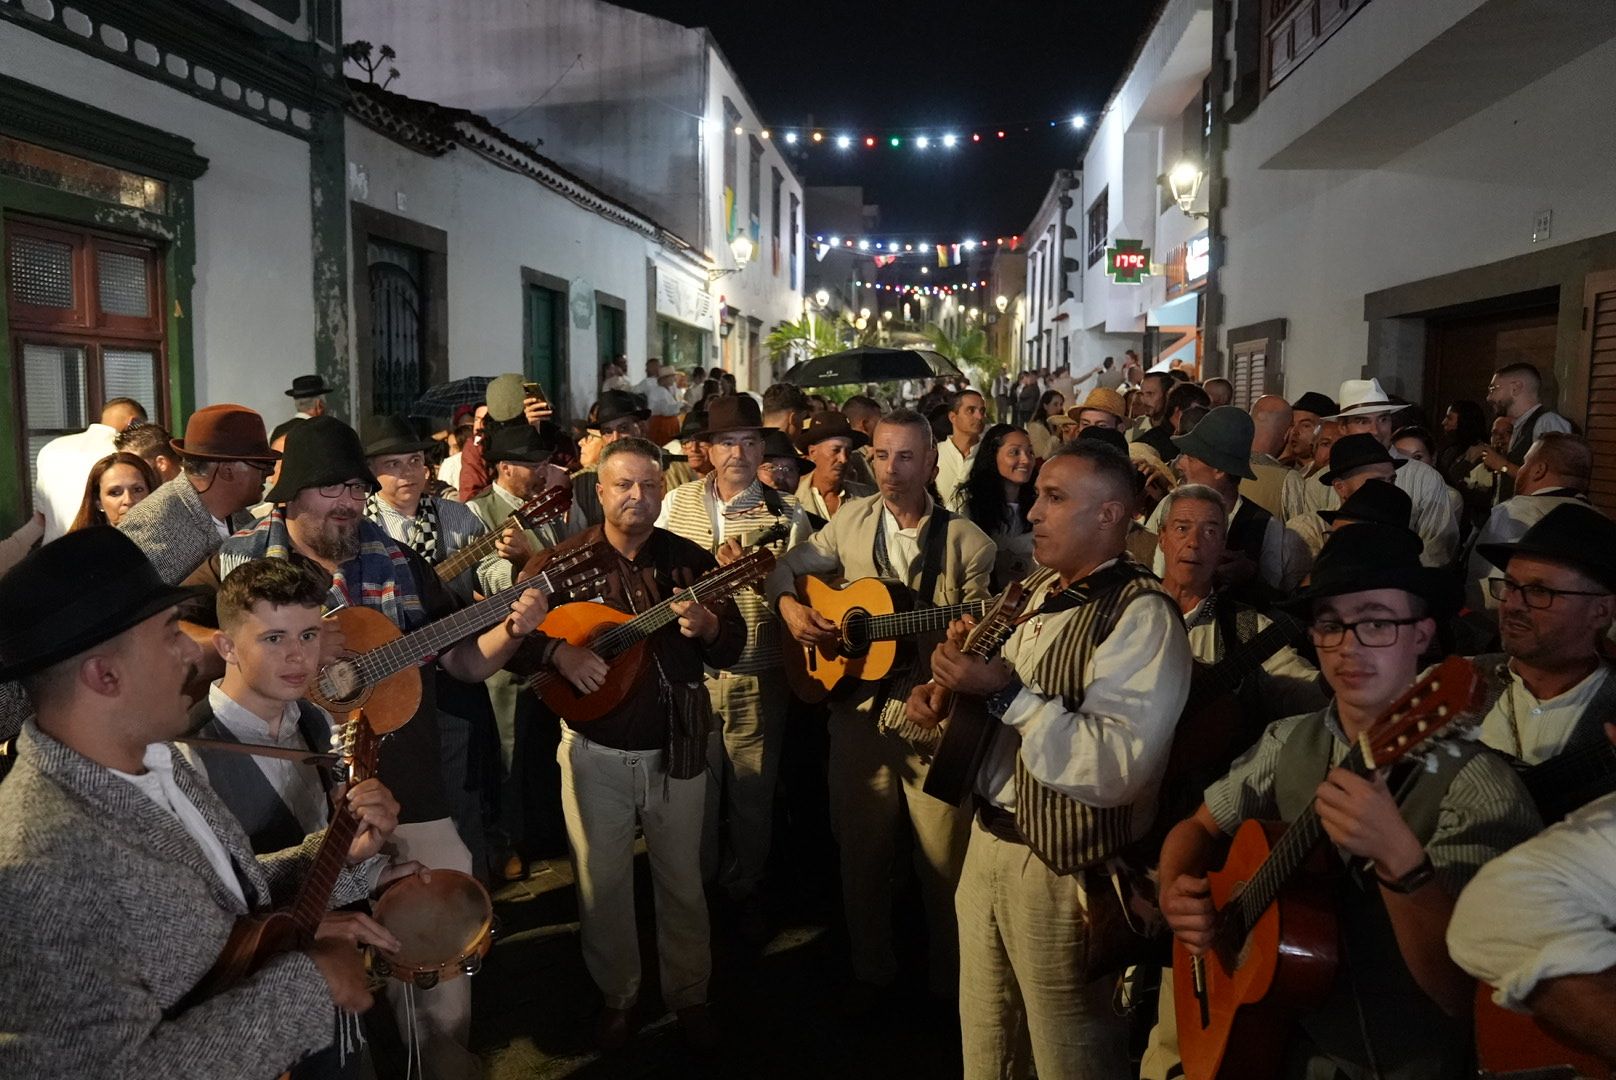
(1202, 613)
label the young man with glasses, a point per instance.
(1409, 840)
(1553, 688)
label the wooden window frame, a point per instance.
(1096, 245)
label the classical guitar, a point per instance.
(256, 938)
(549, 505)
(969, 726)
(1515, 1044)
(619, 638)
(872, 617)
(384, 676)
(1275, 939)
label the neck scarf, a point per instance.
(377, 577)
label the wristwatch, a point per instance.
(1412, 881)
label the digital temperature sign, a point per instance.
(1127, 262)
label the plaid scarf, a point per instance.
(378, 577)
(423, 531)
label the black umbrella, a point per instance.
(444, 398)
(871, 365)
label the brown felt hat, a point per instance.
(225, 433)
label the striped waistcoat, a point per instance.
(688, 517)
(1065, 833)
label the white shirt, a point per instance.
(1433, 512)
(952, 469)
(1532, 730)
(661, 400)
(1114, 750)
(63, 468)
(298, 785)
(449, 472)
(1542, 910)
(903, 545)
(157, 784)
(1288, 684)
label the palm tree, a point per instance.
(808, 337)
(969, 350)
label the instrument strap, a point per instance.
(285, 753)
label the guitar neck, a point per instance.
(713, 589)
(919, 621)
(480, 548)
(1242, 658)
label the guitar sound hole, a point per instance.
(855, 639)
(341, 682)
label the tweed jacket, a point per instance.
(174, 529)
(115, 911)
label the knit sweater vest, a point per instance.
(1067, 833)
(688, 517)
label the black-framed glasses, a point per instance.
(359, 489)
(1533, 596)
(1371, 633)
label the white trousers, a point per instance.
(604, 792)
(443, 1013)
(743, 754)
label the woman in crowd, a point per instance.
(1047, 424)
(1418, 443)
(1463, 426)
(998, 492)
(117, 482)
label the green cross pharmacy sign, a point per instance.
(1128, 262)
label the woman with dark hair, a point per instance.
(1048, 423)
(1464, 425)
(116, 483)
(996, 495)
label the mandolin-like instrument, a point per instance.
(384, 677)
(873, 616)
(1515, 1044)
(619, 638)
(1275, 945)
(548, 505)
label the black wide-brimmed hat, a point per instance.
(319, 451)
(394, 435)
(695, 423)
(519, 441)
(1361, 557)
(1316, 403)
(74, 593)
(1353, 452)
(777, 444)
(1573, 534)
(618, 404)
(306, 386)
(1379, 502)
(731, 412)
(829, 425)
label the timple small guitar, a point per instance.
(1275, 940)
(384, 677)
(548, 505)
(619, 638)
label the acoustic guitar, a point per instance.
(384, 676)
(969, 726)
(872, 616)
(1275, 943)
(548, 505)
(255, 939)
(1511, 1043)
(619, 638)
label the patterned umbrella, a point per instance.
(444, 398)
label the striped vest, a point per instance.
(688, 517)
(1065, 833)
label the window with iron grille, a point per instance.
(774, 215)
(791, 240)
(86, 322)
(754, 190)
(1099, 226)
(732, 183)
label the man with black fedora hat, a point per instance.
(1405, 1012)
(318, 519)
(110, 840)
(1376, 502)
(618, 414)
(1307, 412)
(830, 441)
(784, 467)
(722, 514)
(1556, 593)
(1260, 554)
(308, 396)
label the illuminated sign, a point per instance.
(1197, 257)
(1128, 262)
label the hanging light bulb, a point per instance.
(949, 141)
(764, 134)
(895, 142)
(923, 142)
(819, 136)
(843, 142)
(1080, 121)
(864, 245)
(869, 140)
(791, 138)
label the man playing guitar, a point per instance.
(1087, 692)
(878, 759)
(1410, 840)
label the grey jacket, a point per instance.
(174, 529)
(113, 914)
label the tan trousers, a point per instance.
(875, 784)
(1022, 1007)
(442, 1014)
(603, 793)
(749, 713)
(1161, 1060)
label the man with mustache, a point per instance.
(318, 521)
(832, 444)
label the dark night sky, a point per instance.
(868, 66)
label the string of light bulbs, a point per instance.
(925, 137)
(922, 290)
(885, 245)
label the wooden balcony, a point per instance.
(1295, 28)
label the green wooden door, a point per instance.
(545, 364)
(610, 333)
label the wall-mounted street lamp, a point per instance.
(1184, 181)
(741, 249)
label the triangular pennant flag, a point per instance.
(820, 251)
(942, 255)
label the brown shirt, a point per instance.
(665, 563)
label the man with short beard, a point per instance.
(831, 443)
(318, 521)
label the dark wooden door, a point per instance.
(1599, 353)
(546, 322)
(1462, 352)
(397, 329)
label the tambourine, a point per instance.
(444, 921)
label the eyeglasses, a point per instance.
(1533, 596)
(359, 489)
(1371, 633)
